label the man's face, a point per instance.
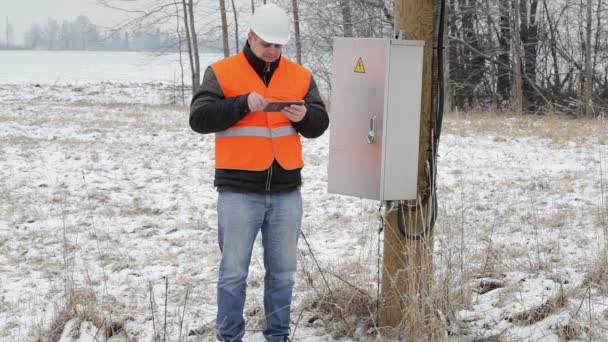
(265, 51)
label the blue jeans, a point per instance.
(240, 217)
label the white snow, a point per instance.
(105, 191)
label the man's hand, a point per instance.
(295, 113)
(256, 102)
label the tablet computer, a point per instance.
(277, 106)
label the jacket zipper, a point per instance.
(265, 74)
(269, 178)
(266, 81)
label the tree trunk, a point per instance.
(504, 85)
(517, 94)
(556, 87)
(179, 47)
(192, 39)
(296, 25)
(236, 27)
(588, 89)
(197, 63)
(347, 18)
(472, 61)
(529, 40)
(224, 28)
(454, 50)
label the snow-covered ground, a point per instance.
(106, 196)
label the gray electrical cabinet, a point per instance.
(375, 118)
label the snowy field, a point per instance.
(93, 76)
(107, 209)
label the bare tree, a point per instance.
(296, 25)
(555, 67)
(179, 49)
(588, 87)
(10, 33)
(224, 28)
(51, 33)
(503, 77)
(347, 18)
(159, 12)
(528, 32)
(236, 27)
(192, 40)
(517, 102)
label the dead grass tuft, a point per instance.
(569, 331)
(540, 312)
(597, 274)
(491, 338)
(349, 312)
(81, 304)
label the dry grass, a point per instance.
(82, 305)
(557, 128)
(540, 312)
(597, 274)
(347, 312)
(130, 107)
(569, 331)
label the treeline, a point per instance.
(528, 55)
(82, 34)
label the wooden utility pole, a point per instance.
(407, 271)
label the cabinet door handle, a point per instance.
(371, 135)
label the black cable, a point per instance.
(316, 262)
(403, 228)
(378, 266)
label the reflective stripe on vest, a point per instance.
(260, 137)
(257, 132)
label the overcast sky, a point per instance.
(22, 14)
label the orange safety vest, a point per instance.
(260, 137)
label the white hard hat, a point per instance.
(271, 24)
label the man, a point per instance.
(258, 159)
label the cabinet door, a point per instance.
(357, 112)
(400, 172)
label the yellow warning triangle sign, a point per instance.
(360, 68)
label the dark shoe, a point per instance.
(285, 339)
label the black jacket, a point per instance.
(211, 111)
